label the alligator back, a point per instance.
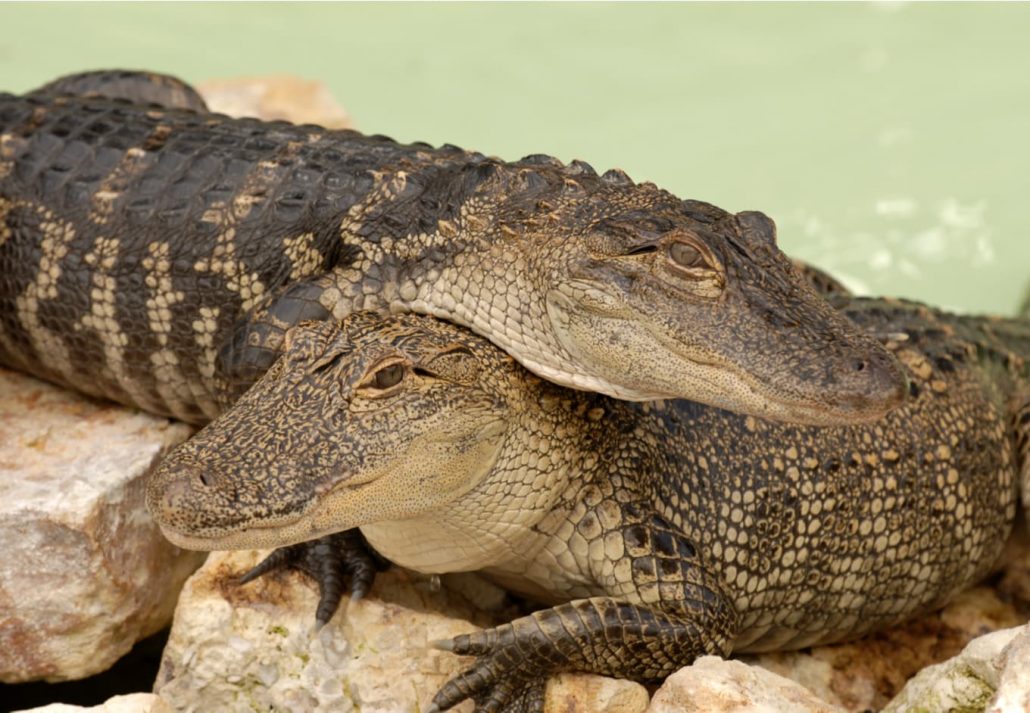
(133, 238)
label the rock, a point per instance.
(968, 681)
(577, 693)
(714, 685)
(131, 703)
(244, 648)
(1013, 692)
(276, 97)
(85, 573)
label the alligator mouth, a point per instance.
(822, 409)
(279, 531)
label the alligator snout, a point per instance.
(869, 386)
(181, 495)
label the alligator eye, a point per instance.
(686, 255)
(388, 376)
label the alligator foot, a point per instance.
(329, 560)
(496, 682)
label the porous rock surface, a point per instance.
(84, 572)
(131, 703)
(713, 685)
(991, 674)
(253, 647)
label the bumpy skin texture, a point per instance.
(662, 531)
(156, 256)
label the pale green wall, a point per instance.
(890, 142)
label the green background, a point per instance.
(889, 141)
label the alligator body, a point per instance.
(155, 254)
(659, 531)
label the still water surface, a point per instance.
(891, 142)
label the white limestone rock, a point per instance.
(252, 647)
(965, 682)
(1013, 691)
(715, 685)
(283, 97)
(131, 703)
(84, 572)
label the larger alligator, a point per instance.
(660, 531)
(156, 254)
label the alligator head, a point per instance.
(375, 420)
(600, 284)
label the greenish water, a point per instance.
(889, 141)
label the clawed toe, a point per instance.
(332, 561)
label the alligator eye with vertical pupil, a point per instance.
(686, 255)
(388, 376)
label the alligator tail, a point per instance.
(128, 85)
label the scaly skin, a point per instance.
(661, 531)
(156, 256)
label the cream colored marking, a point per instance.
(5, 209)
(305, 259)
(223, 260)
(9, 144)
(102, 202)
(101, 319)
(48, 345)
(204, 333)
(177, 392)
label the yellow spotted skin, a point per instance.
(154, 253)
(659, 531)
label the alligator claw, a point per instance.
(330, 561)
(500, 680)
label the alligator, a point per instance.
(154, 253)
(658, 531)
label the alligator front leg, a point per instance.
(599, 635)
(331, 561)
(663, 610)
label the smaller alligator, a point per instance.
(660, 532)
(155, 255)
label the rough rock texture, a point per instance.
(276, 97)
(132, 703)
(85, 573)
(971, 680)
(713, 685)
(251, 648)
(866, 674)
(1013, 692)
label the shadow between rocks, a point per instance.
(133, 673)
